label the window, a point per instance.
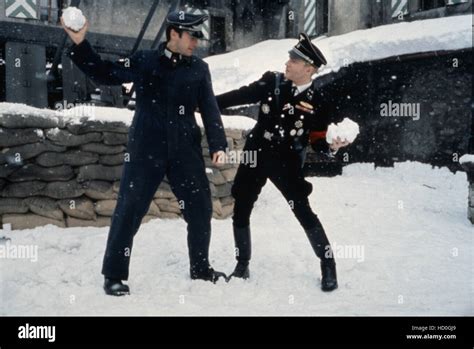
(325, 21)
(431, 4)
(197, 3)
(50, 10)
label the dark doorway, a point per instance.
(2, 72)
(325, 21)
(218, 44)
(50, 10)
(54, 80)
(26, 74)
(321, 18)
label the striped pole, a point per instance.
(310, 17)
(399, 7)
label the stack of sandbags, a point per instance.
(53, 171)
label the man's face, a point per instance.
(186, 44)
(298, 70)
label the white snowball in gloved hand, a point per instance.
(347, 130)
(73, 18)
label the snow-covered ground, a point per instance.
(407, 240)
(407, 224)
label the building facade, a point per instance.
(34, 71)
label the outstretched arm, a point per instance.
(249, 94)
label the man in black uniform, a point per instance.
(164, 139)
(290, 108)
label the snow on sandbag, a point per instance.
(73, 18)
(347, 130)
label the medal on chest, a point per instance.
(265, 109)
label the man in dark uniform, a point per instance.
(164, 139)
(290, 108)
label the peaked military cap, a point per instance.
(187, 22)
(308, 52)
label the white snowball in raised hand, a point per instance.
(73, 18)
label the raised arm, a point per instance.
(103, 72)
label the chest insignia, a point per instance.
(307, 105)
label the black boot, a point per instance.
(328, 276)
(320, 243)
(207, 274)
(114, 287)
(243, 249)
(241, 270)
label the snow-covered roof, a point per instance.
(244, 66)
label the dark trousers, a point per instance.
(140, 180)
(285, 171)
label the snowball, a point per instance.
(73, 18)
(347, 130)
(466, 158)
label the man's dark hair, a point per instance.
(168, 32)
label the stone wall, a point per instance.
(67, 174)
